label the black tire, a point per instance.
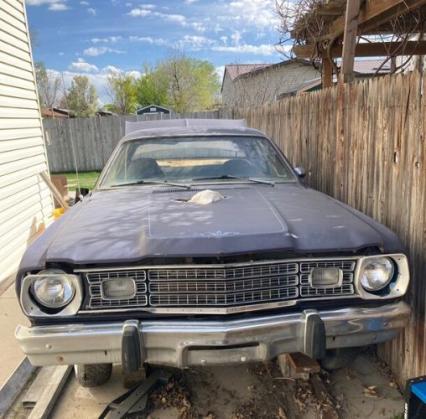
(338, 358)
(92, 375)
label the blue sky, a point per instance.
(94, 37)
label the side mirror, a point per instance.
(300, 172)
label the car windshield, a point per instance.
(196, 159)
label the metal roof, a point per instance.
(182, 127)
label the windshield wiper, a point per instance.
(153, 182)
(250, 179)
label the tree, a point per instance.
(183, 83)
(192, 84)
(81, 98)
(48, 85)
(122, 90)
(152, 89)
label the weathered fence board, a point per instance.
(365, 145)
(85, 144)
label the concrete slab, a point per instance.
(10, 316)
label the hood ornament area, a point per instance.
(206, 197)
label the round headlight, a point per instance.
(376, 274)
(53, 289)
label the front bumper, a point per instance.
(184, 343)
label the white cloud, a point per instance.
(54, 5)
(199, 26)
(91, 11)
(107, 39)
(195, 42)
(147, 10)
(58, 7)
(190, 1)
(220, 71)
(96, 51)
(259, 13)
(84, 3)
(134, 73)
(83, 66)
(236, 37)
(263, 49)
(180, 19)
(139, 12)
(150, 40)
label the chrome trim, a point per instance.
(398, 285)
(202, 310)
(219, 266)
(104, 297)
(185, 343)
(32, 308)
(96, 294)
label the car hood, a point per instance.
(133, 223)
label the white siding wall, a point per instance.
(25, 201)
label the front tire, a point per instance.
(92, 375)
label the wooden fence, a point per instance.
(86, 143)
(364, 144)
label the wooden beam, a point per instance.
(349, 40)
(54, 190)
(373, 14)
(327, 72)
(376, 49)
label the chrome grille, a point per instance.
(219, 286)
(97, 300)
(253, 271)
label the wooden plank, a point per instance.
(51, 392)
(58, 196)
(368, 49)
(15, 384)
(349, 40)
(327, 72)
(37, 387)
(375, 13)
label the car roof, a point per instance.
(187, 127)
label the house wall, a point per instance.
(25, 201)
(264, 86)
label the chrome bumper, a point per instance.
(187, 343)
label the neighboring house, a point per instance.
(56, 113)
(26, 203)
(363, 69)
(256, 84)
(153, 110)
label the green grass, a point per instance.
(86, 179)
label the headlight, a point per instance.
(53, 289)
(376, 273)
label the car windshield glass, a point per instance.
(196, 160)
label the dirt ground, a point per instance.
(364, 390)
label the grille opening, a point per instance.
(223, 347)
